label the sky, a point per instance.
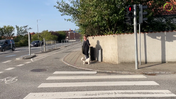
(27, 12)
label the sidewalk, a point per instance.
(74, 59)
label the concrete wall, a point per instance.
(108, 44)
(155, 47)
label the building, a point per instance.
(72, 35)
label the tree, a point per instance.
(34, 37)
(23, 30)
(98, 17)
(62, 35)
(1, 32)
(48, 36)
(7, 31)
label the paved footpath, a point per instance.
(74, 59)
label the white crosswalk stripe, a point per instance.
(75, 72)
(94, 77)
(76, 78)
(101, 94)
(86, 84)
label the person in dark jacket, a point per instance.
(85, 47)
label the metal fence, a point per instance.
(51, 45)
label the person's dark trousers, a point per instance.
(87, 56)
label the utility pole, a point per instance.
(38, 28)
(141, 19)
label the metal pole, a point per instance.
(140, 43)
(37, 29)
(44, 44)
(55, 44)
(29, 42)
(135, 36)
(11, 44)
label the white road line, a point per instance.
(7, 61)
(10, 68)
(101, 94)
(75, 72)
(10, 55)
(20, 65)
(16, 51)
(1, 72)
(88, 84)
(94, 77)
(27, 62)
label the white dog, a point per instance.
(85, 60)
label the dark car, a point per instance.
(6, 45)
(36, 43)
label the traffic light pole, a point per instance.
(135, 36)
(139, 44)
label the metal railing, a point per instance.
(52, 44)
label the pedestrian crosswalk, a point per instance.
(86, 79)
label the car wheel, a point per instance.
(3, 50)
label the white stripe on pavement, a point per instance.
(7, 61)
(93, 77)
(75, 72)
(28, 62)
(20, 65)
(101, 94)
(10, 68)
(1, 72)
(10, 55)
(88, 84)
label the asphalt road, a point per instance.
(47, 77)
(22, 51)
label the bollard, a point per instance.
(99, 55)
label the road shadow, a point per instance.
(150, 65)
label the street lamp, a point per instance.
(38, 28)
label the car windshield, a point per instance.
(1, 42)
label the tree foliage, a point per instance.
(7, 31)
(48, 36)
(62, 35)
(22, 30)
(98, 17)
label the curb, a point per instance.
(26, 57)
(117, 72)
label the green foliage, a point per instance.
(48, 36)
(23, 30)
(21, 41)
(34, 37)
(7, 31)
(62, 35)
(99, 17)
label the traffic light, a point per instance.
(141, 13)
(129, 15)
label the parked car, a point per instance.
(7, 45)
(36, 43)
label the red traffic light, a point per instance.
(130, 9)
